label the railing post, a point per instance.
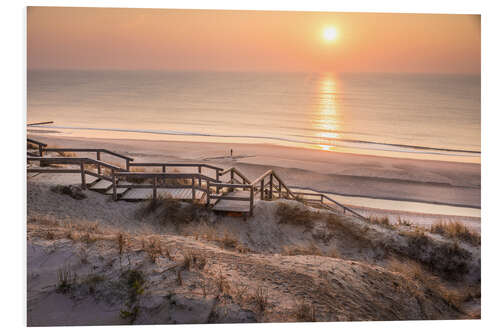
(82, 170)
(208, 193)
(279, 189)
(232, 176)
(262, 189)
(154, 188)
(321, 198)
(40, 150)
(271, 187)
(193, 189)
(251, 201)
(199, 176)
(115, 196)
(163, 169)
(217, 179)
(98, 165)
(127, 163)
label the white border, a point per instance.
(13, 20)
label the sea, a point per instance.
(423, 116)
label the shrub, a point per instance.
(298, 215)
(456, 230)
(72, 190)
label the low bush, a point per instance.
(456, 230)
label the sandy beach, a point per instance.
(435, 182)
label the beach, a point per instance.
(360, 176)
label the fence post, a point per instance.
(98, 165)
(208, 192)
(115, 196)
(232, 176)
(193, 189)
(40, 150)
(199, 176)
(271, 187)
(154, 188)
(82, 170)
(279, 188)
(321, 198)
(217, 179)
(251, 201)
(262, 189)
(127, 163)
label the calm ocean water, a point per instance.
(432, 115)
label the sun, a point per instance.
(330, 34)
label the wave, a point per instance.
(337, 142)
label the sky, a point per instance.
(214, 40)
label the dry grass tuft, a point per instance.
(153, 248)
(382, 221)
(432, 285)
(171, 211)
(456, 230)
(261, 298)
(122, 241)
(305, 312)
(298, 215)
(221, 283)
(66, 154)
(295, 250)
(229, 240)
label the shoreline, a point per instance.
(363, 176)
(418, 153)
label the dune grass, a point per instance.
(456, 230)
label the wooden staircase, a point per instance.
(235, 194)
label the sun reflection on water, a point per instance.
(326, 118)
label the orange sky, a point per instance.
(104, 38)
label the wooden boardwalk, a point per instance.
(174, 193)
(208, 183)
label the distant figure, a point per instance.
(231, 152)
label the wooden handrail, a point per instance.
(37, 142)
(160, 164)
(264, 175)
(238, 172)
(89, 150)
(73, 160)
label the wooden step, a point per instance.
(119, 190)
(175, 193)
(233, 205)
(102, 185)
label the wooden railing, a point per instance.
(266, 189)
(268, 184)
(40, 145)
(324, 201)
(98, 152)
(79, 161)
(235, 172)
(193, 181)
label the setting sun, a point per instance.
(330, 34)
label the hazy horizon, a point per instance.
(72, 38)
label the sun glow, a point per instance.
(327, 118)
(330, 34)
